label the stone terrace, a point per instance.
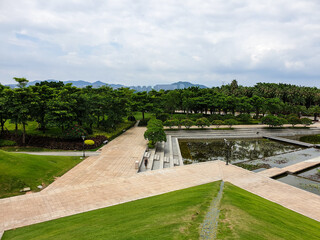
(111, 178)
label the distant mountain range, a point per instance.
(97, 84)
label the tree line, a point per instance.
(61, 105)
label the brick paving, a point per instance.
(111, 178)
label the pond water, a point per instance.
(302, 182)
(285, 159)
(237, 150)
(312, 174)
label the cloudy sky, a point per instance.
(140, 42)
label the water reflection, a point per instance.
(240, 150)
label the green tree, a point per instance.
(293, 120)
(315, 110)
(202, 122)
(306, 121)
(217, 123)
(43, 94)
(231, 122)
(171, 123)
(22, 101)
(21, 82)
(187, 123)
(4, 104)
(273, 121)
(155, 132)
(258, 103)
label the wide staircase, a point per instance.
(167, 154)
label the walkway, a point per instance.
(110, 179)
(291, 141)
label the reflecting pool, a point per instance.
(305, 180)
(237, 150)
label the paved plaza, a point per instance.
(111, 178)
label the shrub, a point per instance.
(306, 121)
(202, 122)
(217, 123)
(314, 139)
(163, 117)
(75, 132)
(273, 121)
(215, 117)
(293, 120)
(244, 117)
(151, 145)
(4, 142)
(144, 122)
(131, 118)
(171, 123)
(196, 116)
(230, 122)
(89, 142)
(229, 116)
(187, 123)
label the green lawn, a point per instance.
(247, 216)
(138, 115)
(174, 215)
(23, 170)
(177, 215)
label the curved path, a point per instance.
(111, 178)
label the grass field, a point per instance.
(248, 216)
(138, 115)
(23, 170)
(177, 215)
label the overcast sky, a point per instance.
(140, 42)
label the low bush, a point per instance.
(217, 123)
(230, 122)
(187, 123)
(244, 117)
(202, 122)
(314, 139)
(293, 120)
(273, 121)
(4, 142)
(196, 116)
(89, 142)
(131, 118)
(75, 132)
(214, 117)
(171, 123)
(144, 122)
(163, 117)
(306, 121)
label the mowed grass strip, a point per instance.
(247, 216)
(23, 170)
(175, 215)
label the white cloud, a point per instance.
(148, 42)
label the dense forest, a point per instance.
(56, 104)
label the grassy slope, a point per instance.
(174, 215)
(24, 170)
(177, 215)
(247, 216)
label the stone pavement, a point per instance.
(110, 179)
